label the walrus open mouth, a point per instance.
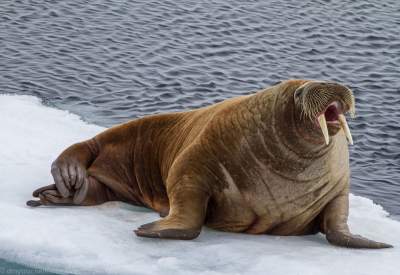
(333, 116)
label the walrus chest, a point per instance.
(264, 200)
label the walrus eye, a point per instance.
(298, 93)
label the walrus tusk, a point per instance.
(345, 127)
(324, 127)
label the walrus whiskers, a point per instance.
(317, 99)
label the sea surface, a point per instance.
(110, 61)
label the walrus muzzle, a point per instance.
(326, 104)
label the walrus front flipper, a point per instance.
(185, 218)
(353, 241)
(334, 225)
(147, 230)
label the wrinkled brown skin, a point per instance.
(248, 164)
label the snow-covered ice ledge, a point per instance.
(99, 240)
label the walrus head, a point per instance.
(323, 105)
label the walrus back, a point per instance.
(135, 157)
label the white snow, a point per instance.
(99, 240)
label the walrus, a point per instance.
(273, 162)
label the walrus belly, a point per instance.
(255, 212)
(238, 217)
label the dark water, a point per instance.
(8, 268)
(110, 61)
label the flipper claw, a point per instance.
(33, 203)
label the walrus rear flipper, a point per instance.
(49, 195)
(92, 192)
